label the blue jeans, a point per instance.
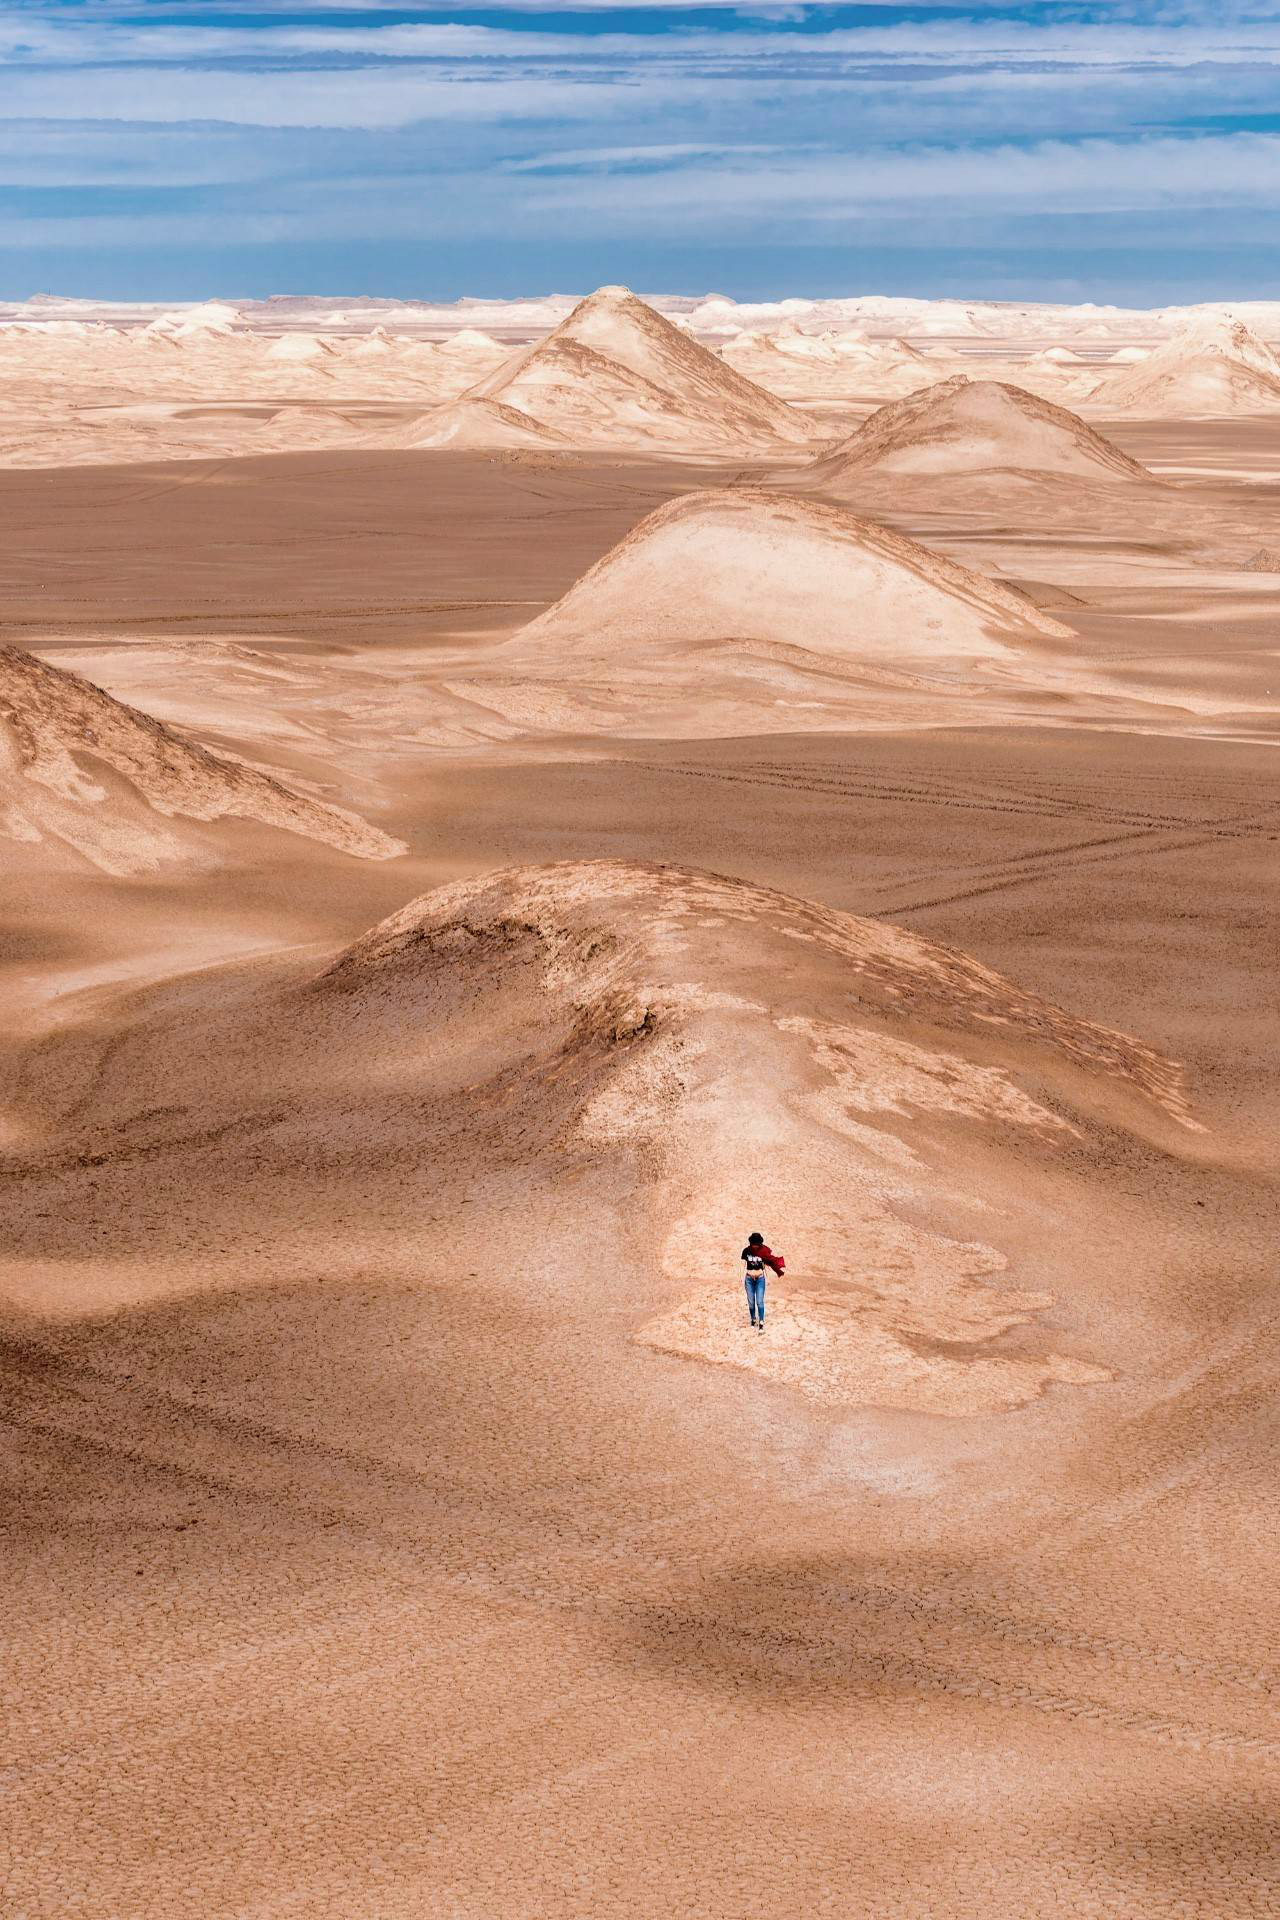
(755, 1296)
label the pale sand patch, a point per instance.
(845, 1349)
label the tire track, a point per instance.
(964, 798)
(1050, 871)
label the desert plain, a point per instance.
(497, 803)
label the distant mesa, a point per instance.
(81, 768)
(757, 566)
(963, 426)
(616, 373)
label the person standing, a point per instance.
(758, 1260)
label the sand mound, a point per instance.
(794, 364)
(616, 373)
(755, 566)
(964, 426)
(471, 341)
(899, 349)
(306, 348)
(746, 612)
(690, 1051)
(479, 424)
(729, 1050)
(828, 348)
(1265, 560)
(1233, 339)
(1224, 370)
(375, 345)
(602, 928)
(61, 741)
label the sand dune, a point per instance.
(471, 343)
(754, 565)
(720, 1049)
(733, 611)
(741, 1052)
(1193, 385)
(964, 427)
(1234, 339)
(84, 770)
(613, 372)
(616, 373)
(1215, 368)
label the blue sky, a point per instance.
(1123, 150)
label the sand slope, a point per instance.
(61, 740)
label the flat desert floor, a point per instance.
(400, 1517)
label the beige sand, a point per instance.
(400, 1516)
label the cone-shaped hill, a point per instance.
(757, 566)
(616, 373)
(1204, 375)
(965, 427)
(704, 1050)
(81, 768)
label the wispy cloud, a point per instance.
(1053, 176)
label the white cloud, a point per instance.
(377, 97)
(602, 159)
(1054, 176)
